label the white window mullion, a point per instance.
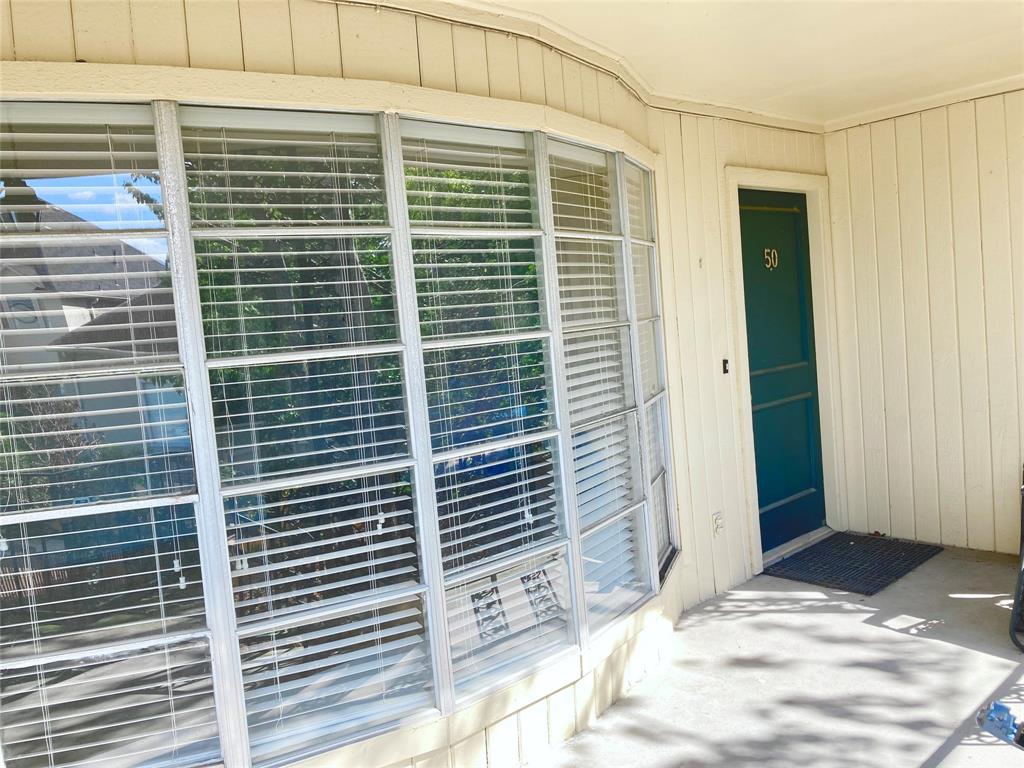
(418, 415)
(561, 393)
(638, 388)
(220, 610)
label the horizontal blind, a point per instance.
(597, 373)
(650, 358)
(582, 181)
(61, 176)
(248, 169)
(85, 305)
(315, 682)
(644, 288)
(288, 418)
(590, 282)
(467, 177)
(151, 707)
(309, 545)
(496, 503)
(81, 440)
(604, 461)
(98, 579)
(485, 392)
(638, 202)
(659, 517)
(299, 293)
(475, 287)
(614, 573)
(308, 395)
(508, 620)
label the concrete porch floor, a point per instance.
(779, 674)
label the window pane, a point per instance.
(596, 374)
(323, 680)
(93, 438)
(98, 579)
(659, 519)
(507, 621)
(151, 708)
(293, 168)
(295, 294)
(590, 282)
(494, 503)
(467, 177)
(474, 287)
(313, 544)
(61, 176)
(87, 305)
(582, 181)
(486, 392)
(643, 279)
(614, 575)
(288, 418)
(638, 202)
(604, 461)
(656, 437)
(650, 359)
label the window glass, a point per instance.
(582, 184)
(507, 621)
(95, 579)
(638, 202)
(311, 683)
(313, 544)
(467, 177)
(249, 168)
(591, 286)
(492, 504)
(475, 287)
(83, 440)
(614, 573)
(307, 293)
(282, 419)
(151, 707)
(606, 470)
(85, 305)
(78, 168)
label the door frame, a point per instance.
(823, 298)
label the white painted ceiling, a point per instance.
(820, 61)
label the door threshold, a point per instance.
(773, 556)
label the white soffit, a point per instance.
(833, 63)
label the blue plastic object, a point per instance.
(998, 720)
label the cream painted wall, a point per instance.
(928, 240)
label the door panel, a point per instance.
(783, 378)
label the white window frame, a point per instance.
(223, 632)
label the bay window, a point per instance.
(311, 424)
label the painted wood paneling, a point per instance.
(437, 54)
(378, 44)
(214, 34)
(503, 66)
(927, 227)
(531, 71)
(103, 31)
(470, 60)
(158, 32)
(43, 31)
(266, 36)
(6, 32)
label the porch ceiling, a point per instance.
(829, 62)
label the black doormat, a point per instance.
(854, 563)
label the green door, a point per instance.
(783, 379)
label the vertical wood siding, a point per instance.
(927, 237)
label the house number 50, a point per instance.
(771, 259)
